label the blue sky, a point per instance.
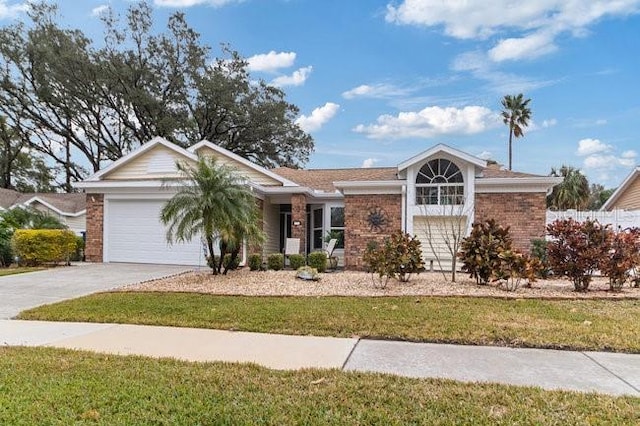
(378, 81)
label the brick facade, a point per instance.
(95, 227)
(358, 230)
(299, 215)
(524, 212)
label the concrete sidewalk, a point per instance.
(608, 373)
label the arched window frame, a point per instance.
(440, 182)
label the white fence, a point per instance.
(619, 219)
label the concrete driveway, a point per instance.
(24, 291)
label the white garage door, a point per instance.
(134, 233)
(433, 233)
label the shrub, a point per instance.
(255, 261)
(296, 261)
(37, 246)
(622, 256)
(514, 266)
(398, 257)
(479, 252)
(275, 261)
(79, 251)
(576, 249)
(6, 253)
(318, 260)
(308, 273)
(539, 252)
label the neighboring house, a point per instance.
(627, 196)
(433, 188)
(69, 208)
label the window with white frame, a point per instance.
(337, 225)
(439, 182)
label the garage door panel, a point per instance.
(134, 233)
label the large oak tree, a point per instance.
(84, 104)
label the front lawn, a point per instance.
(609, 325)
(19, 270)
(53, 386)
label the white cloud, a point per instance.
(11, 10)
(549, 123)
(485, 155)
(527, 47)
(431, 122)
(601, 122)
(592, 146)
(99, 10)
(481, 67)
(369, 162)
(189, 3)
(318, 117)
(296, 79)
(601, 157)
(536, 23)
(379, 91)
(271, 61)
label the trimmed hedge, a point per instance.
(37, 246)
(317, 260)
(297, 261)
(255, 262)
(275, 261)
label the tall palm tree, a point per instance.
(572, 193)
(516, 114)
(213, 201)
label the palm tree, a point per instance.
(213, 201)
(516, 115)
(572, 193)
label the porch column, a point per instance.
(299, 219)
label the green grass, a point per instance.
(612, 325)
(45, 386)
(19, 270)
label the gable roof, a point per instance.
(8, 198)
(71, 204)
(223, 151)
(323, 179)
(136, 153)
(438, 149)
(626, 183)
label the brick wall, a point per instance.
(358, 231)
(524, 212)
(95, 228)
(299, 214)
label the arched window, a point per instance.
(439, 182)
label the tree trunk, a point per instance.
(210, 248)
(510, 146)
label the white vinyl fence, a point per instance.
(619, 219)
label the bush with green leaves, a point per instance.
(538, 255)
(398, 257)
(275, 261)
(479, 252)
(318, 260)
(576, 249)
(297, 261)
(255, 261)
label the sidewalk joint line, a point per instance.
(611, 372)
(344, 364)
